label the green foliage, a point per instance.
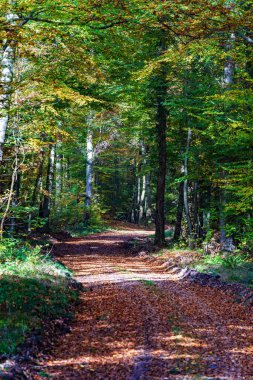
(147, 283)
(231, 260)
(32, 288)
(13, 250)
(76, 58)
(232, 267)
(79, 230)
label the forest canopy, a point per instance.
(132, 110)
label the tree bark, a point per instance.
(38, 178)
(145, 206)
(134, 216)
(15, 200)
(228, 79)
(46, 206)
(161, 127)
(186, 204)
(148, 199)
(196, 223)
(142, 215)
(6, 78)
(10, 197)
(89, 170)
(180, 209)
(58, 176)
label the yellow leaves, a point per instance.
(147, 71)
(48, 127)
(47, 93)
(65, 93)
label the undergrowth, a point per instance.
(33, 288)
(232, 267)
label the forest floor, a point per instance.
(135, 320)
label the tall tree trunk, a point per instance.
(138, 205)
(180, 209)
(116, 186)
(15, 200)
(148, 199)
(89, 170)
(186, 204)
(161, 128)
(58, 175)
(196, 223)
(228, 79)
(144, 204)
(46, 206)
(38, 178)
(162, 167)
(229, 68)
(10, 197)
(142, 215)
(222, 221)
(6, 78)
(134, 211)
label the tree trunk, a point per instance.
(6, 78)
(89, 171)
(144, 207)
(222, 221)
(15, 200)
(38, 178)
(58, 176)
(134, 210)
(186, 204)
(142, 215)
(229, 68)
(196, 223)
(46, 206)
(161, 127)
(11, 193)
(148, 199)
(228, 79)
(180, 209)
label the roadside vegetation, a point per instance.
(34, 289)
(235, 267)
(229, 266)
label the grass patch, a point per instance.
(168, 234)
(147, 282)
(79, 230)
(32, 289)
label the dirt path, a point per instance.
(136, 321)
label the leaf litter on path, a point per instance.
(136, 321)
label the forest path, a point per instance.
(136, 321)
